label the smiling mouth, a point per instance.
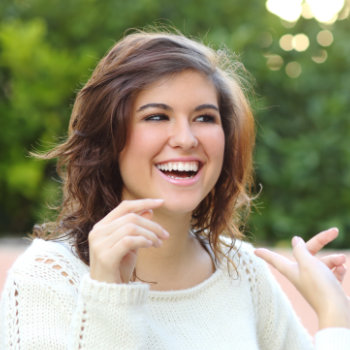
(179, 170)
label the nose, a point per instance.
(182, 135)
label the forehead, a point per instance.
(185, 87)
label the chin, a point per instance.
(180, 207)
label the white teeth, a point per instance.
(180, 178)
(179, 166)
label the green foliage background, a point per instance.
(49, 48)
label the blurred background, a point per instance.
(297, 51)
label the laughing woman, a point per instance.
(146, 252)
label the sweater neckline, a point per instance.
(157, 295)
(166, 295)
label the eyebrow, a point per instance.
(155, 105)
(206, 106)
(168, 108)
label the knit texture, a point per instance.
(50, 302)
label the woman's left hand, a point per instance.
(335, 262)
(318, 280)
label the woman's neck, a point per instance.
(180, 262)
(173, 249)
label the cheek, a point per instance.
(216, 144)
(143, 144)
(147, 141)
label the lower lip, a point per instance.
(180, 181)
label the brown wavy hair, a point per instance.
(99, 127)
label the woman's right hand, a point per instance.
(115, 240)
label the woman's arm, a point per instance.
(50, 302)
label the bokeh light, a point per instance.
(300, 42)
(274, 62)
(325, 38)
(320, 57)
(286, 42)
(266, 39)
(293, 69)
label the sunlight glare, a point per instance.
(344, 14)
(289, 10)
(324, 11)
(306, 11)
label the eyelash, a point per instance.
(156, 117)
(206, 118)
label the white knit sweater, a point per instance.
(49, 302)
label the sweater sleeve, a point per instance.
(278, 325)
(46, 304)
(109, 314)
(333, 339)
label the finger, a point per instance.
(279, 262)
(131, 230)
(316, 243)
(300, 251)
(340, 272)
(137, 220)
(131, 206)
(334, 260)
(308, 262)
(147, 214)
(130, 243)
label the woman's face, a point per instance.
(176, 143)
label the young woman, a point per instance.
(147, 252)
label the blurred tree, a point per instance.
(48, 49)
(37, 83)
(303, 153)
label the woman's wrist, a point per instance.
(335, 316)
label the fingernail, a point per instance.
(166, 233)
(296, 240)
(147, 212)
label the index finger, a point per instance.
(317, 242)
(279, 262)
(131, 206)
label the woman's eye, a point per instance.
(156, 117)
(206, 118)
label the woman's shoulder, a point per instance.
(50, 261)
(237, 249)
(242, 255)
